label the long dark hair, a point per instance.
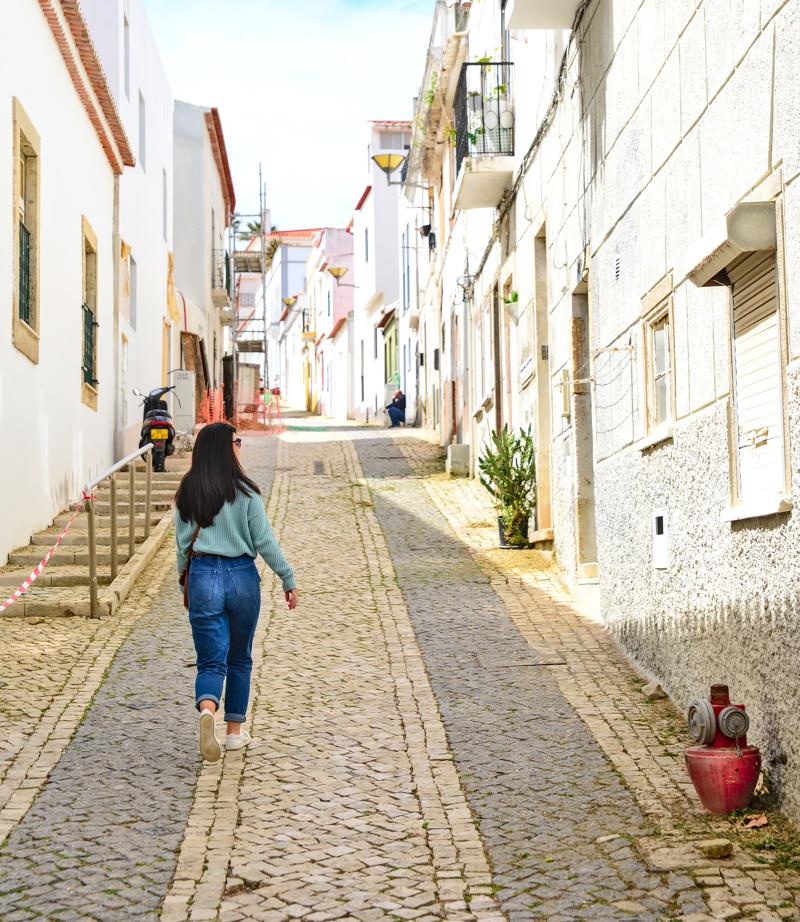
(213, 478)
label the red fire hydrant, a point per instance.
(723, 768)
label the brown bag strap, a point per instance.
(190, 551)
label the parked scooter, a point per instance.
(157, 425)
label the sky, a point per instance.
(295, 82)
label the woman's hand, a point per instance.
(291, 598)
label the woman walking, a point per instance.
(220, 526)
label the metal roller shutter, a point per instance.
(758, 383)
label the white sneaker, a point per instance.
(237, 740)
(209, 744)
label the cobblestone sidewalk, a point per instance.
(438, 734)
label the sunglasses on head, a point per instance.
(237, 442)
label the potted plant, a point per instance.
(507, 468)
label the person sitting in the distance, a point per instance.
(397, 409)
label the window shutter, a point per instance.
(757, 362)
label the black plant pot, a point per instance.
(501, 528)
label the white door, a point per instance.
(758, 379)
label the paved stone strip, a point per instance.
(552, 813)
(644, 740)
(51, 670)
(349, 806)
(201, 871)
(100, 839)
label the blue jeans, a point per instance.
(224, 602)
(396, 415)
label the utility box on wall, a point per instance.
(183, 408)
(660, 540)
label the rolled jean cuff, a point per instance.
(235, 718)
(206, 697)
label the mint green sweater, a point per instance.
(240, 527)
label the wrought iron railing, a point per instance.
(221, 270)
(24, 273)
(89, 325)
(484, 111)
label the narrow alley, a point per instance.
(439, 733)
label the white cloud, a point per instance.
(295, 83)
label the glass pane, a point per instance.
(662, 399)
(660, 348)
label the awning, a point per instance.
(336, 327)
(384, 320)
(748, 228)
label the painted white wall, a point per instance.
(145, 196)
(53, 442)
(200, 226)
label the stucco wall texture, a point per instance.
(728, 607)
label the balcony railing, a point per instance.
(220, 274)
(484, 111)
(89, 325)
(24, 273)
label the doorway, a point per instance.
(585, 526)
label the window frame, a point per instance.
(661, 314)
(739, 508)
(26, 157)
(89, 301)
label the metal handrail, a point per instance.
(88, 504)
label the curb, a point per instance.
(115, 594)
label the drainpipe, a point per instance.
(116, 244)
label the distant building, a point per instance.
(204, 204)
(376, 266)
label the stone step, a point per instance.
(104, 521)
(72, 554)
(103, 536)
(53, 576)
(104, 508)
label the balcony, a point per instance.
(541, 14)
(220, 278)
(484, 122)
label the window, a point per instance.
(658, 367)
(759, 438)
(126, 42)
(89, 317)
(134, 283)
(164, 203)
(362, 369)
(375, 341)
(329, 304)
(25, 330)
(366, 244)
(142, 133)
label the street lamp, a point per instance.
(338, 272)
(389, 163)
(290, 301)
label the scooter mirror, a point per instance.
(137, 392)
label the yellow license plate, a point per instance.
(159, 433)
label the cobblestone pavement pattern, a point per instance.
(539, 784)
(438, 734)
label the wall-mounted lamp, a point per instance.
(290, 301)
(338, 272)
(389, 163)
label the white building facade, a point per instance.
(616, 189)
(376, 243)
(62, 150)
(204, 200)
(147, 340)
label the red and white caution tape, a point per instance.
(37, 571)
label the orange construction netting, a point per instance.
(261, 415)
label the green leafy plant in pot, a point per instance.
(507, 468)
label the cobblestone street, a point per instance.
(439, 733)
